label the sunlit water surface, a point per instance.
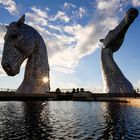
(68, 120)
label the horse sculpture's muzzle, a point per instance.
(131, 14)
(11, 71)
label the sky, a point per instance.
(71, 30)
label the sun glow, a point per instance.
(134, 102)
(45, 79)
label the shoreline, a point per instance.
(53, 96)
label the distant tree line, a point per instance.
(74, 90)
(138, 90)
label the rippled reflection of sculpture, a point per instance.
(113, 78)
(21, 42)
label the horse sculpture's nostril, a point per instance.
(7, 66)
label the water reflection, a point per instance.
(122, 122)
(33, 120)
(68, 120)
(11, 120)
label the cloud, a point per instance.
(136, 3)
(47, 9)
(2, 73)
(63, 69)
(61, 16)
(97, 90)
(10, 5)
(2, 33)
(69, 5)
(39, 13)
(38, 16)
(137, 85)
(82, 12)
(68, 43)
(69, 85)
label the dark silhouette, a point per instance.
(58, 90)
(113, 79)
(77, 90)
(73, 90)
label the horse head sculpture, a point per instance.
(115, 38)
(113, 79)
(21, 42)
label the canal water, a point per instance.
(69, 120)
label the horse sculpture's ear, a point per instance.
(21, 21)
(7, 27)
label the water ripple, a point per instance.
(68, 120)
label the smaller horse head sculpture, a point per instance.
(113, 79)
(130, 15)
(115, 37)
(17, 47)
(21, 42)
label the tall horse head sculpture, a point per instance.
(113, 79)
(21, 42)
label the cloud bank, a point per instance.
(67, 40)
(10, 5)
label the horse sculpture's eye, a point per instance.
(14, 36)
